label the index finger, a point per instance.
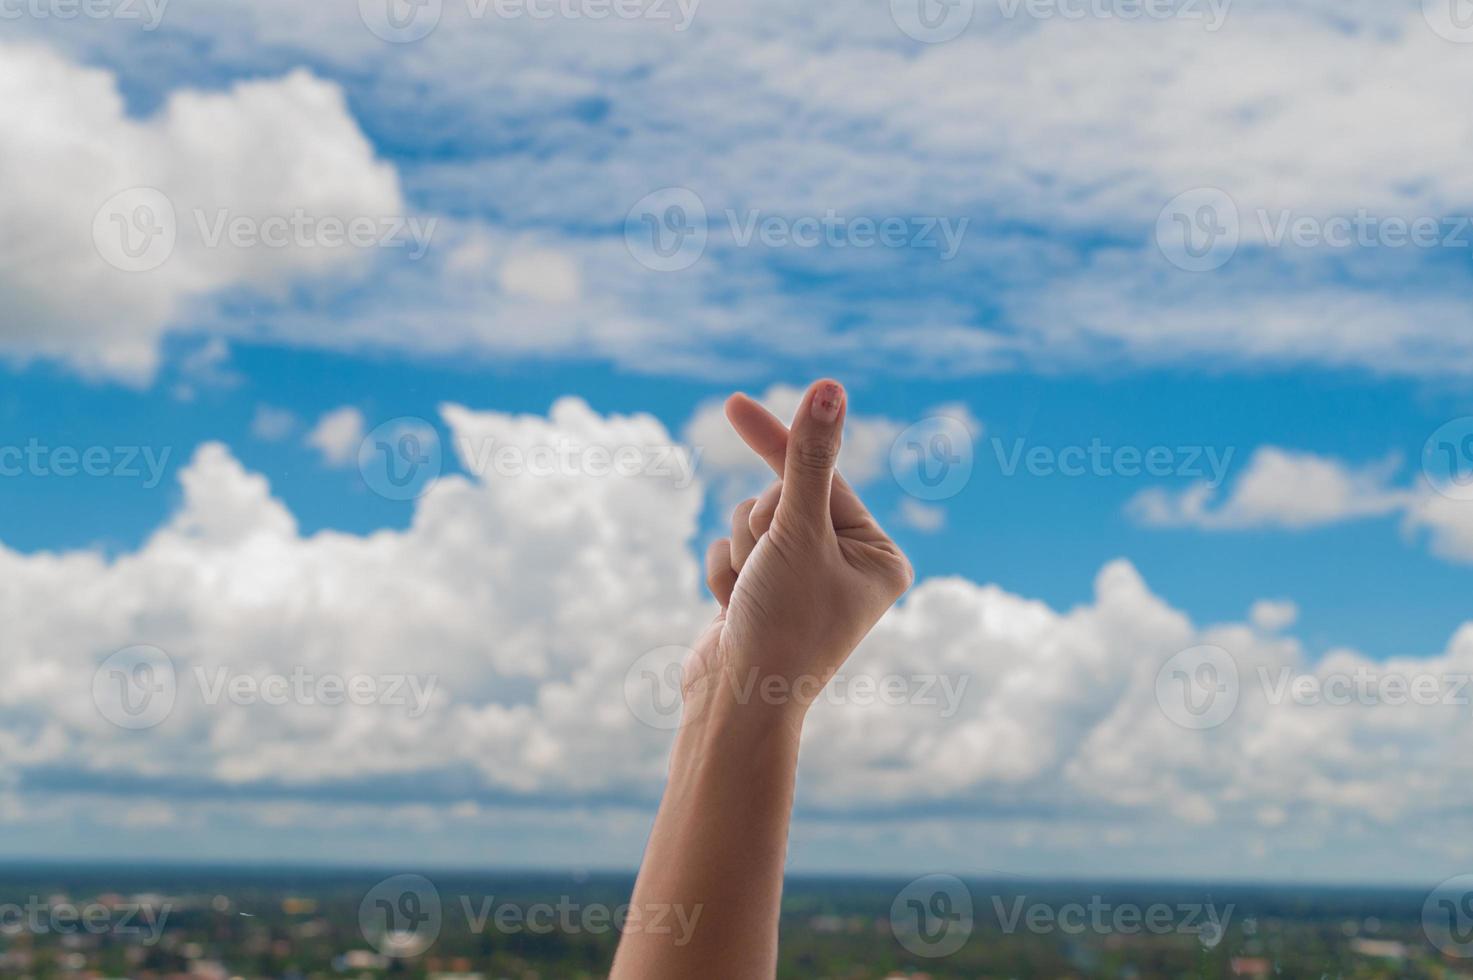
(767, 436)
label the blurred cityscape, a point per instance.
(216, 924)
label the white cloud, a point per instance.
(1280, 488)
(1448, 521)
(541, 274)
(1295, 490)
(259, 149)
(1078, 162)
(528, 599)
(338, 434)
(1272, 615)
(926, 518)
(272, 424)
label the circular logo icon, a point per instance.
(932, 460)
(666, 230)
(1451, 20)
(1199, 231)
(1447, 916)
(1198, 687)
(401, 458)
(400, 21)
(135, 230)
(932, 916)
(1210, 933)
(932, 21)
(400, 916)
(135, 687)
(1447, 459)
(653, 687)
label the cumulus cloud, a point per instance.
(1296, 491)
(120, 214)
(1272, 615)
(272, 424)
(1280, 488)
(521, 604)
(338, 434)
(1058, 266)
(926, 518)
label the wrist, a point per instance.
(731, 709)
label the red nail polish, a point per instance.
(827, 401)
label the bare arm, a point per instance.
(805, 575)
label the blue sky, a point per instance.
(1062, 316)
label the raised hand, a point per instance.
(807, 571)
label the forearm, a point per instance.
(719, 843)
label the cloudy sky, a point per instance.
(382, 345)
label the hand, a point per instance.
(807, 571)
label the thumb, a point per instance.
(813, 450)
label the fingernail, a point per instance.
(827, 401)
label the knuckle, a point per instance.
(816, 454)
(898, 574)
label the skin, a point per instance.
(806, 573)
